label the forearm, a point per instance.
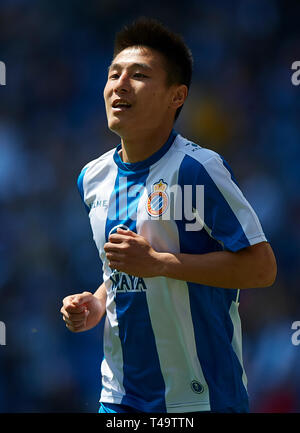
(252, 266)
(219, 269)
(101, 294)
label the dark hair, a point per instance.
(151, 33)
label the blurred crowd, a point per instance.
(242, 104)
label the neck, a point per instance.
(141, 146)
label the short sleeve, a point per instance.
(225, 213)
(81, 187)
(228, 215)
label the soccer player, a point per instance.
(177, 238)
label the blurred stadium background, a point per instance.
(52, 121)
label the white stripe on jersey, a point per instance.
(112, 371)
(169, 309)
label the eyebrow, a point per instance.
(133, 65)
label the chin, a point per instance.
(114, 123)
(118, 126)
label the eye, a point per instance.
(139, 75)
(114, 76)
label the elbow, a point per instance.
(262, 266)
(267, 272)
(273, 273)
(267, 276)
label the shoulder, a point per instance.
(199, 158)
(98, 162)
(95, 166)
(195, 151)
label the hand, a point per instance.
(82, 311)
(131, 253)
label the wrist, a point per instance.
(161, 264)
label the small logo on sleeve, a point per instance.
(193, 147)
(158, 199)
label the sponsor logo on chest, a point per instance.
(123, 283)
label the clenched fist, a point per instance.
(82, 311)
(128, 252)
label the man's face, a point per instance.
(136, 94)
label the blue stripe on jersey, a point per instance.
(218, 215)
(140, 360)
(80, 187)
(210, 305)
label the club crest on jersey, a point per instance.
(158, 199)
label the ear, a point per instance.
(179, 96)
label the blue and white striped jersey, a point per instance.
(170, 345)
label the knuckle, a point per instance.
(68, 300)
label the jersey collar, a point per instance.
(140, 165)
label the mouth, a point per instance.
(120, 105)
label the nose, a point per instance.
(122, 85)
